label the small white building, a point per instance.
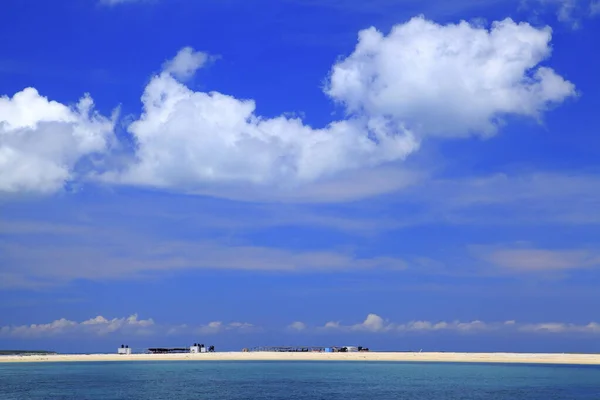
(124, 350)
(351, 349)
(198, 348)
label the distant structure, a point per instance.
(350, 349)
(198, 348)
(303, 349)
(168, 350)
(193, 349)
(26, 352)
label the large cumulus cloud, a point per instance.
(41, 141)
(420, 80)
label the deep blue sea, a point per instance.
(295, 380)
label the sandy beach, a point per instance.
(587, 359)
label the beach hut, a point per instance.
(125, 350)
(195, 348)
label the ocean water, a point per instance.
(295, 380)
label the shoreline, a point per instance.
(508, 358)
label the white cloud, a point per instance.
(41, 141)
(219, 327)
(375, 324)
(297, 326)
(449, 80)
(462, 80)
(96, 326)
(569, 12)
(422, 79)
(186, 63)
(132, 325)
(555, 327)
(528, 259)
(565, 11)
(191, 140)
(457, 326)
(116, 2)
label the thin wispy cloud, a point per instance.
(125, 257)
(524, 259)
(120, 2)
(37, 253)
(569, 12)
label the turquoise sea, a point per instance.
(295, 380)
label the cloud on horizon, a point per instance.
(100, 326)
(375, 324)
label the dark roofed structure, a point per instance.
(168, 350)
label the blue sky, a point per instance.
(300, 172)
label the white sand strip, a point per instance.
(589, 359)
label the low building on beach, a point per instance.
(314, 349)
(168, 350)
(200, 348)
(193, 349)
